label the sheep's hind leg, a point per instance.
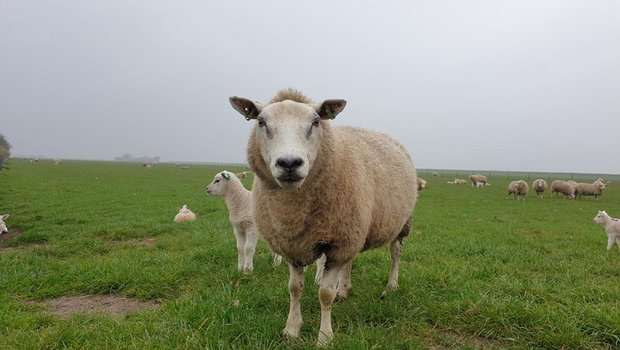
(610, 242)
(320, 267)
(395, 250)
(251, 237)
(327, 295)
(344, 282)
(295, 288)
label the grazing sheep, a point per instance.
(327, 190)
(435, 174)
(594, 189)
(421, 183)
(184, 215)
(564, 187)
(612, 228)
(518, 188)
(239, 202)
(3, 227)
(540, 186)
(57, 161)
(478, 180)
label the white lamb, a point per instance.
(239, 202)
(612, 227)
(3, 227)
(184, 215)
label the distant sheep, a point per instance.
(57, 161)
(323, 189)
(478, 180)
(435, 174)
(458, 181)
(184, 215)
(421, 183)
(239, 202)
(540, 186)
(594, 189)
(564, 187)
(242, 175)
(3, 227)
(612, 228)
(518, 188)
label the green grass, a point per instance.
(478, 270)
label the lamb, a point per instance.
(184, 215)
(518, 188)
(540, 186)
(612, 228)
(594, 189)
(327, 190)
(564, 187)
(460, 181)
(239, 202)
(478, 180)
(3, 227)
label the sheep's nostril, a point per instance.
(289, 164)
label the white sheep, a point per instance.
(3, 227)
(567, 188)
(57, 161)
(478, 180)
(184, 215)
(239, 202)
(518, 188)
(327, 190)
(594, 189)
(421, 183)
(540, 186)
(612, 228)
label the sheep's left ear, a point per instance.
(5, 216)
(226, 176)
(248, 109)
(329, 109)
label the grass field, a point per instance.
(478, 270)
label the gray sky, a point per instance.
(530, 85)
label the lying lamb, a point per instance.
(239, 202)
(184, 215)
(320, 189)
(612, 227)
(3, 227)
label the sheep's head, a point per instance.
(599, 218)
(3, 227)
(288, 134)
(219, 185)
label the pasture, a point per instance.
(478, 270)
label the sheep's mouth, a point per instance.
(290, 180)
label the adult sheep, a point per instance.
(327, 190)
(564, 187)
(585, 189)
(478, 180)
(518, 188)
(540, 186)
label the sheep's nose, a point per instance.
(289, 164)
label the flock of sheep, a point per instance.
(570, 188)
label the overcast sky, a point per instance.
(531, 85)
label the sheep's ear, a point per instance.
(226, 176)
(248, 109)
(5, 216)
(329, 109)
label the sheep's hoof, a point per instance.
(290, 333)
(342, 294)
(324, 339)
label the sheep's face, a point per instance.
(288, 134)
(219, 185)
(3, 227)
(599, 218)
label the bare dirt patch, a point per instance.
(7, 236)
(117, 306)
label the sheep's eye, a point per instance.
(261, 122)
(315, 123)
(216, 181)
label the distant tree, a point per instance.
(5, 150)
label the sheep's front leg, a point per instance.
(618, 241)
(395, 249)
(295, 288)
(610, 241)
(240, 237)
(327, 295)
(249, 248)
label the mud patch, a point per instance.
(114, 305)
(7, 236)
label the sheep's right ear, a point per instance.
(329, 109)
(226, 176)
(248, 109)
(5, 216)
